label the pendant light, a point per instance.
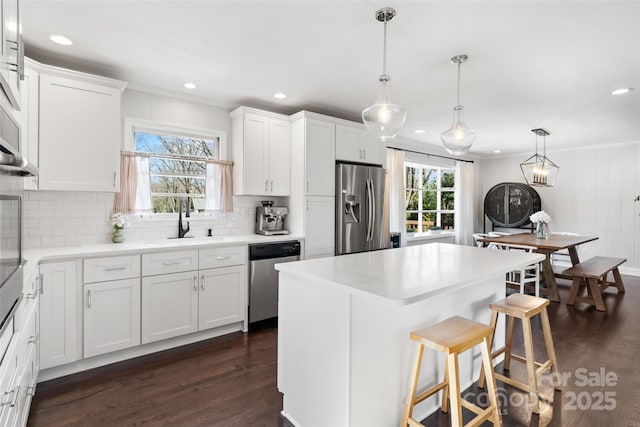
(384, 119)
(459, 137)
(538, 170)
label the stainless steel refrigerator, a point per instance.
(362, 208)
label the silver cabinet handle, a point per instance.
(220, 258)
(202, 282)
(88, 298)
(271, 186)
(31, 390)
(364, 154)
(33, 339)
(195, 283)
(266, 185)
(308, 186)
(108, 269)
(170, 262)
(114, 180)
(13, 401)
(32, 294)
(41, 281)
(307, 204)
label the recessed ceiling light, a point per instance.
(190, 85)
(420, 131)
(497, 151)
(59, 39)
(621, 91)
(279, 95)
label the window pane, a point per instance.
(412, 177)
(446, 204)
(412, 222)
(428, 219)
(176, 167)
(167, 144)
(429, 179)
(448, 179)
(447, 221)
(429, 200)
(411, 200)
(177, 185)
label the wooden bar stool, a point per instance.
(523, 307)
(453, 336)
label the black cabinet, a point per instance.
(509, 204)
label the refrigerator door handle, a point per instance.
(369, 210)
(373, 209)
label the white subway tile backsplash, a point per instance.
(56, 218)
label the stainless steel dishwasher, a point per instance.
(263, 277)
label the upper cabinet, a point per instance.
(12, 55)
(261, 152)
(79, 146)
(317, 139)
(354, 144)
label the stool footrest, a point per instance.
(546, 365)
(414, 423)
(512, 382)
(524, 360)
(498, 352)
(436, 388)
(482, 415)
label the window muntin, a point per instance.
(430, 194)
(177, 168)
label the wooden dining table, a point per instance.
(553, 243)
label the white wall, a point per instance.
(594, 195)
(68, 218)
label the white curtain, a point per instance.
(125, 199)
(219, 186)
(143, 187)
(397, 216)
(464, 204)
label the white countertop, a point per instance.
(35, 256)
(410, 274)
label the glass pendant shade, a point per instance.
(384, 119)
(538, 170)
(459, 137)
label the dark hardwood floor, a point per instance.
(231, 381)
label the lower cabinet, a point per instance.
(319, 226)
(111, 316)
(221, 298)
(169, 305)
(58, 319)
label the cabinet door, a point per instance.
(11, 52)
(79, 135)
(320, 159)
(27, 118)
(169, 305)
(222, 297)
(319, 227)
(256, 133)
(58, 343)
(347, 144)
(372, 149)
(111, 316)
(279, 157)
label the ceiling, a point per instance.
(531, 64)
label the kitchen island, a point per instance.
(344, 351)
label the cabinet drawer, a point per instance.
(27, 330)
(223, 257)
(169, 262)
(111, 268)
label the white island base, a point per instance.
(344, 352)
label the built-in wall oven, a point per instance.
(10, 253)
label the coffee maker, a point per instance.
(270, 219)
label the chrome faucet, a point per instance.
(183, 206)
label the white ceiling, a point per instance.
(531, 64)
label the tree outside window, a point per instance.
(430, 194)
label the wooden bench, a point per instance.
(592, 274)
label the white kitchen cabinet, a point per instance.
(313, 182)
(58, 317)
(12, 55)
(354, 144)
(169, 305)
(27, 118)
(261, 152)
(320, 158)
(80, 136)
(111, 316)
(222, 298)
(319, 227)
